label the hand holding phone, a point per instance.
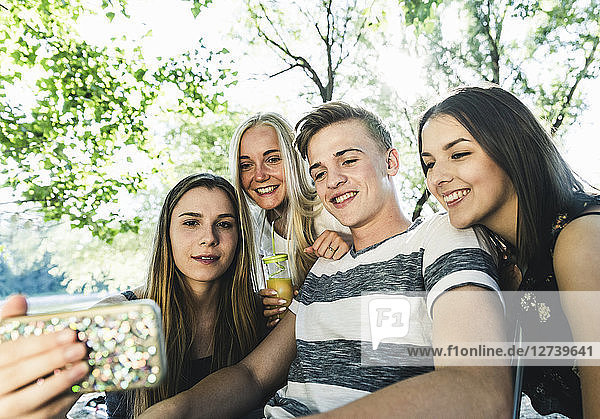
(25, 360)
(124, 342)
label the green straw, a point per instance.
(276, 258)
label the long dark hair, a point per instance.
(512, 136)
(236, 332)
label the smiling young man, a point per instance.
(318, 344)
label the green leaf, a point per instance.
(139, 75)
(196, 10)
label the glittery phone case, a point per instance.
(125, 342)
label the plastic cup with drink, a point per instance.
(278, 276)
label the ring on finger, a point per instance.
(331, 248)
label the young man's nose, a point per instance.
(335, 178)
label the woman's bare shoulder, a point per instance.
(576, 254)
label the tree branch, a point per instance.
(567, 102)
(494, 52)
(319, 32)
(12, 202)
(328, 47)
(298, 61)
(284, 70)
(342, 57)
(410, 125)
(420, 203)
(283, 46)
(23, 201)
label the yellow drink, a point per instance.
(283, 286)
(278, 277)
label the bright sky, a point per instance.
(175, 30)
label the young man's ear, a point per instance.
(393, 162)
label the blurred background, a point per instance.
(104, 105)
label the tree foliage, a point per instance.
(59, 259)
(201, 146)
(319, 41)
(74, 117)
(555, 49)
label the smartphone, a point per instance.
(125, 342)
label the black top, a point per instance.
(552, 389)
(116, 402)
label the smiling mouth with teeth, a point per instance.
(456, 196)
(342, 198)
(266, 190)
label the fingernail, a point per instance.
(78, 370)
(280, 309)
(65, 336)
(74, 352)
(272, 292)
(282, 301)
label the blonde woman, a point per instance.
(268, 172)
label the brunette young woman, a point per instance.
(267, 171)
(202, 276)
(489, 162)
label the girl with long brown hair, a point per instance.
(202, 277)
(490, 163)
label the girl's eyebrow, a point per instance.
(191, 214)
(226, 215)
(199, 215)
(453, 143)
(274, 150)
(447, 146)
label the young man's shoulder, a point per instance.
(432, 234)
(325, 221)
(436, 222)
(436, 229)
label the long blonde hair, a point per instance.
(303, 205)
(236, 332)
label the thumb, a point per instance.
(14, 306)
(309, 249)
